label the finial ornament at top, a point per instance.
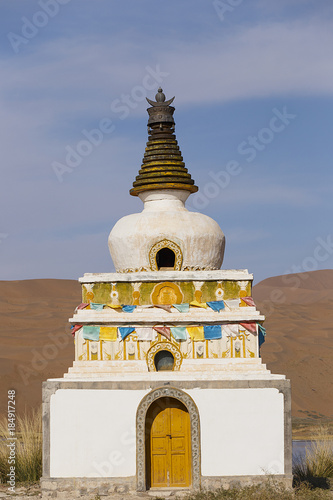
(160, 99)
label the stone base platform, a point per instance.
(124, 488)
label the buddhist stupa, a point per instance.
(168, 390)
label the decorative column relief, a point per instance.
(136, 293)
(114, 295)
(90, 294)
(198, 292)
(219, 291)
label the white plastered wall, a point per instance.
(92, 432)
(242, 431)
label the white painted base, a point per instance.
(92, 431)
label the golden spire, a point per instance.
(162, 166)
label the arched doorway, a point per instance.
(168, 446)
(145, 416)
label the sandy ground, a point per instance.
(36, 343)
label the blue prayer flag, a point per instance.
(216, 305)
(212, 332)
(125, 330)
(128, 309)
(262, 334)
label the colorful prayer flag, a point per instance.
(179, 332)
(163, 330)
(230, 330)
(196, 332)
(128, 309)
(216, 305)
(251, 326)
(96, 307)
(232, 303)
(262, 334)
(145, 333)
(125, 330)
(91, 332)
(248, 301)
(212, 332)
(195, 303)
(83, 305)
(108, 333)
(182, 308)
(166, 307)
(75, 328)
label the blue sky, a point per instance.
(254, 96)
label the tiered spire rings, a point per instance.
(162, 166)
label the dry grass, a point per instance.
(267, 491)
(310, 428)
(318, 461)
(28, 460)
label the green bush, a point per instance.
(28, 459)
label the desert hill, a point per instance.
(299, 342)
(36, 343)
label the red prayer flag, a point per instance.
(163, 330)
(75, 329)
(249, 301)
(251, 326)
(82, 306)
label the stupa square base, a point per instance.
(95, 431)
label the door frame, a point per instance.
(167, 392)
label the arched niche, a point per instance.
(141, 448)
(165, 254)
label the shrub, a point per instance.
(28, 459)
(318, 461)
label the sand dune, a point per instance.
(36, 341)
(35, 336)
(299, 323)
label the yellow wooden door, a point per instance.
(170, 447)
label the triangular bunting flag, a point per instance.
(248, 301)
(216, 305)
(196, 333)
(179, 332)
(108, 333)
(251, 326)
(128, 309)
(182, 308)
(145, 333)
(91, 332)
(166, 307)
(125, 330)
(75, 328)
(195, 303)
(212, 332)
(96, 307)
(163, 330)
(232, 303)
(83, 305)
